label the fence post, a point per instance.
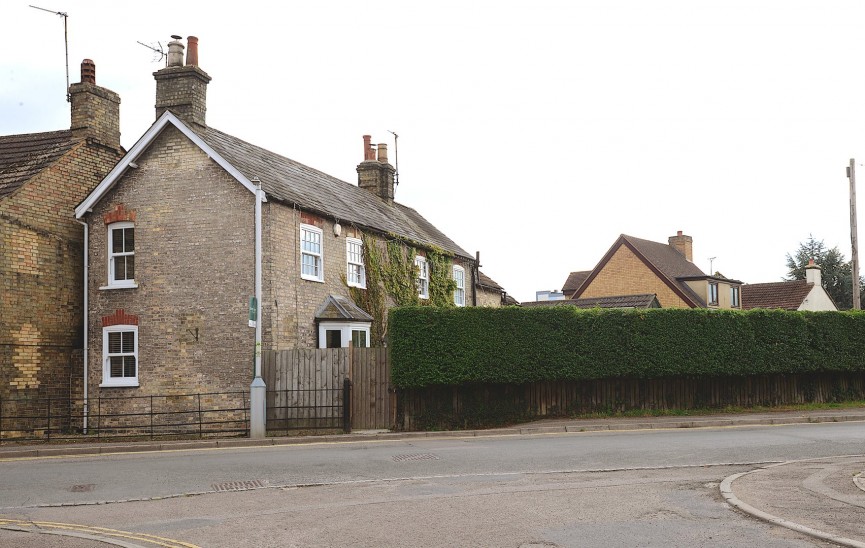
(200, 433)
(346, 406)
(48, 428)
(99, 416)
(1, 419)
(151, 417)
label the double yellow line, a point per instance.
(61, 528)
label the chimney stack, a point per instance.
(180, 88)
(683, 244)
(813, 274)
(95, 110)
(376, 174)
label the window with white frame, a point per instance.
(339, 334)
(422, 280)
(121, 255)
(355, 273)
(734, 297)
(120, 355)
(713, 293)
(311, 260)
(459, 274)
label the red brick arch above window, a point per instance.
(118, 214)
(119, 318)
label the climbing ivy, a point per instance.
(400, 273)
(372, 299)
(441, 282)
(391, 275)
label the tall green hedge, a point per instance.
(435, 346)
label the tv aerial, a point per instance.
(65, 17)
(158, 51)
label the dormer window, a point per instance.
(121, 255)
(713, 293)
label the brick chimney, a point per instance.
(95, 110)
(375, 174)
(813, 274)
(180, 88)
(683, 244)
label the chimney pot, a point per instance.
(382, 153)
(175, 53)
(88, 72)
(368, 152)
(678, 233)
(192, 51)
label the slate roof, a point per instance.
(339, 308)
(291, 182)
(783, 295)
(621, 301)
(574, 281)
(25, 155)
(668, 264)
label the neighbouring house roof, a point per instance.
(784, 295)
(574, 281)
(290, 182)
(24, 156)
(621, 301)
(487, 282)
(669, 265)
(339, 308)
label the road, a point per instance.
(637, 488)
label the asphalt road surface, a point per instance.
(642, 488)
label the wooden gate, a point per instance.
(304, 387)
(373, 404)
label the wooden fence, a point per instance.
(481, 405)
(304, 388)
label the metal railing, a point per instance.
(197, 415)
(193, 415)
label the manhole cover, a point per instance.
(83, 488)
(239, 485)
(414, 456)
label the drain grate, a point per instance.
(83, 488)
(239, 485)
(414, 456)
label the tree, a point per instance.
(837, 273)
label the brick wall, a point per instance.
(194, 249)
(41, 264)
(626, 274)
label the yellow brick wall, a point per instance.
(626, 274)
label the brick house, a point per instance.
(633, 267)
(807, 294)
(42, 177)
(171, 236)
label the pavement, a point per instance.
(823, 498)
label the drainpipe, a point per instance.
(476, 278)
(257, 390)
(86, 317)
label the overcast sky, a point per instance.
(534, 132)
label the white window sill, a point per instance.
(311, 279)
(116, 384)
(424, 297)
(359, 286)
(132, 285)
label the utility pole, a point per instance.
(851, 174)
